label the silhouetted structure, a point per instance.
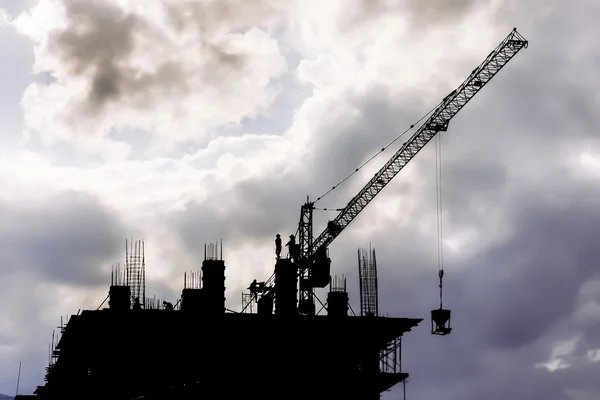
(213, 279)
(164, 351)
(367, 275)
(198, 350)
(191, 296)
(337, 298)
(135, 265)
(196, 355)
(311, 259)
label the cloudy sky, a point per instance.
(183, 122)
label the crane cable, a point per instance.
(379, 152)
(440, 232)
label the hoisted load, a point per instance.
(440, 318)
(440, 322)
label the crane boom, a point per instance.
(312, 253)
(437, 122)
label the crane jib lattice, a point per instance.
(437, 122)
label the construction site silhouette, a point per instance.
(285, 342)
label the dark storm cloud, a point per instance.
(420, 13)
(211, 15)
(59, 240)
(252, 214)
(510, 298)
(344, 144)
(504, 301)
(99, 40)
(257, 209)
(510, 153)
(543, 266)
(439, 11)
(66, 239)
(339, 146)
(432, 10)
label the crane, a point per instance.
(313, 261)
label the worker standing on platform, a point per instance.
(293, 248)
(253, 289)
(278, 246)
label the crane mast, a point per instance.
(313, 262)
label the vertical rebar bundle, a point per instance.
(192, 280)
(338, 284)
(213, 278)
(135, 266)
(213, 251)
(118, 276)
(367, 273)
(154, 303)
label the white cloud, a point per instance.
(4, 17)
(560, 351)
(372, 75)
(164, 84)
(34, 23)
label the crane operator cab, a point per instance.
(333, 228)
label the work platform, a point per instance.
(159, 354)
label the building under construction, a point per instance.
(285, 342)
(197, 349)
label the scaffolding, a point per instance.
(248, 302)
(390, 358)
(367, 273)
(135, 265)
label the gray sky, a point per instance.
(185, 123)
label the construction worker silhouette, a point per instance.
(253, 286)
(293, 248)
(254, 289)
(278, 245)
